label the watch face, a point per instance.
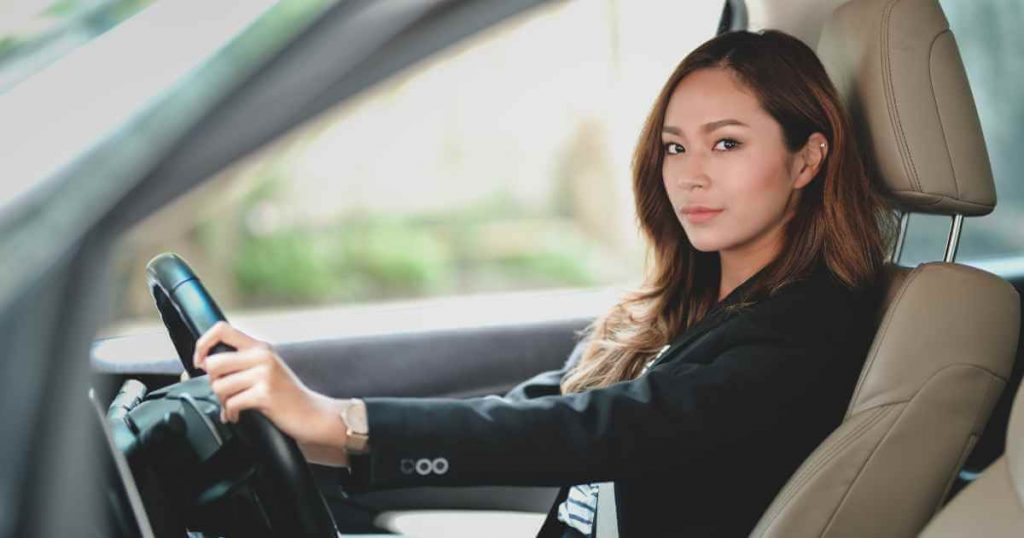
(355, 418)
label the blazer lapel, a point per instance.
(719, 314)
(710, 321)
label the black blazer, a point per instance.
(698, 446)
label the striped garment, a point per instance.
(578, 509)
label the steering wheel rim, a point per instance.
(296, 507)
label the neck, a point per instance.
(740, 264)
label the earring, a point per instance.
(822, 144)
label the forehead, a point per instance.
(711, 94)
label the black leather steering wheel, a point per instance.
(295, 506)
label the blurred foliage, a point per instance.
(377, 258)
(55, 30)
(313, 220)
(292, 265)
(7, 44)
(493, 244)
(63, 25)
(284, 20)
(90, 18)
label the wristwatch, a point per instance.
(357, 434)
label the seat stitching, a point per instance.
(832, 451)
(826, 455)
(883, 331)
(802, 477)
(891, 101)
(886, 323)
(789, 491)
(969, 445)
(941, 198)
(979, 418)
(935, 373)
(938, 114)
(846, 495)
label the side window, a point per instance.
(35, 34)
(990, 42)
(500, 164)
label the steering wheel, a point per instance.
(295, 506)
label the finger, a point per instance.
(206, 341)
(232, 384)
(254, 397)
(221, 332)
(222, 364)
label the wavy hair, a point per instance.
(842, 217)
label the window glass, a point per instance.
(171, 59)
(990, 41)
(501, 163)
(34, 33)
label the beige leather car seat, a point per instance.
(993, 505)
(947, 339)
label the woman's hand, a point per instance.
(255, 377)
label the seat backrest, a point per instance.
(947, 337)
(993, 505)
(937, 366)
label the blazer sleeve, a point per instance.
(676, 411)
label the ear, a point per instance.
(808, 160)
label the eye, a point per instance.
(673, 148)
(726, 144)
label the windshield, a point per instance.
(35, 33)
(57, 109)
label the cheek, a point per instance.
(667, 172)
(756, 193)
(759, 185)
(671, 187)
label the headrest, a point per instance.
(896, 65)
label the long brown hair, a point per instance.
(842, 218)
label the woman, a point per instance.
(697, 395)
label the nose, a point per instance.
(690, 172)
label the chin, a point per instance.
(706, 244)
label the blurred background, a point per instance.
(500, 164)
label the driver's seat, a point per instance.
(948, 334)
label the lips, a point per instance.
(698, 214)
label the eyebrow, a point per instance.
(707, 127)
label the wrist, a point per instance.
(330, 456)
(353, 416)
(328, 429)
(323, 441)
(341, 425)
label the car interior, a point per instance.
(932, 443)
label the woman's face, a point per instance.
(727, 171)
